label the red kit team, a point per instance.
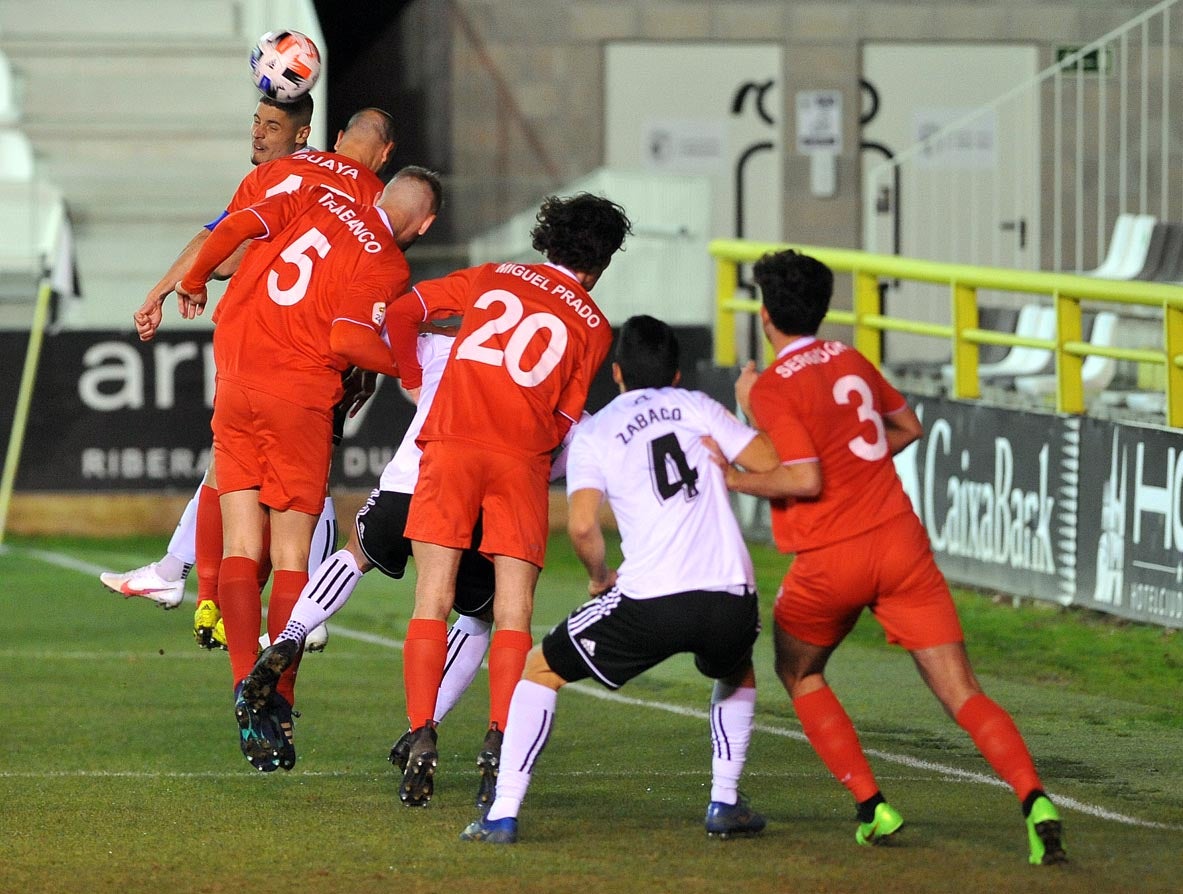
(324, 286)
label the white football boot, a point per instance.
(147, 583)
(317, 639)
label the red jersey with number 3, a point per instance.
(324, 259)
(529, 346)
(824, 401)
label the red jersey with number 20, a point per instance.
(824, 401)
(324, 259)
(530, 344)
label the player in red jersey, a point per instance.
(530, 343)
(361, 150)
(308, 301)
(277, 129)
(838, 504)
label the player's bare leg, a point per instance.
(827, 726)
(424, 652)
(947, 672)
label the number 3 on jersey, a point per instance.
(844, 390)
(477, 346)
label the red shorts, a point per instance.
(889, 569)
(459, 481)
(264, 443)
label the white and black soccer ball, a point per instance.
(285, 65)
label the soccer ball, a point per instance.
(285, 65)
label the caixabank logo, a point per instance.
(994, 489)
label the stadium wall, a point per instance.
(516, 89)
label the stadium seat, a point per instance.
(1128, 247)
(16, 156)
(1171, 268)
(1096, 372)
(1161, 239)
(1034, 321)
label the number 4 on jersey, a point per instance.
(667, 458)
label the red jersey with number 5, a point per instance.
(529, 346)
(824, 401)
(323, 259)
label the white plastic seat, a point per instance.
(1118, 246)
(1035, 321)
(1096, 372)
(16, 156)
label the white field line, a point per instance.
(951, 773)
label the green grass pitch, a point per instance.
(120, 770)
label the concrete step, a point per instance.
(147, 90)
(41, 21)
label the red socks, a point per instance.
(286, 587)
(507, 660)
(242, 611)
(424, 652)
(208, 543)
(1000, 742)
(829, 730)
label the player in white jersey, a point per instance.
(686, 583)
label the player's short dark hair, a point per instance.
(378, 122)
(580, 232)
(299, 111)
(431, 178)
(647, 353)
(796, 290)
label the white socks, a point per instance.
(182, 546)
(531, 716)
(468, 640)
(327, 590)
(733, 711)
(324, 536)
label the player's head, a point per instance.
(581, 233)
(280, 128)
(411, 200)
(646, 354)
(368, 137)
(796, 290)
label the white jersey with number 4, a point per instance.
(644, 451)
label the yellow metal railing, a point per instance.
(1066, 292)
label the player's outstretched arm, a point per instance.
(231, 232)
(798, 480)
(583, 527)
(150, 314)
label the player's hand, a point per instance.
(412, 395)
(360, 386)
(191, 304)
(743, 387)
(730, 472)
(598, 586)
(149, 317)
